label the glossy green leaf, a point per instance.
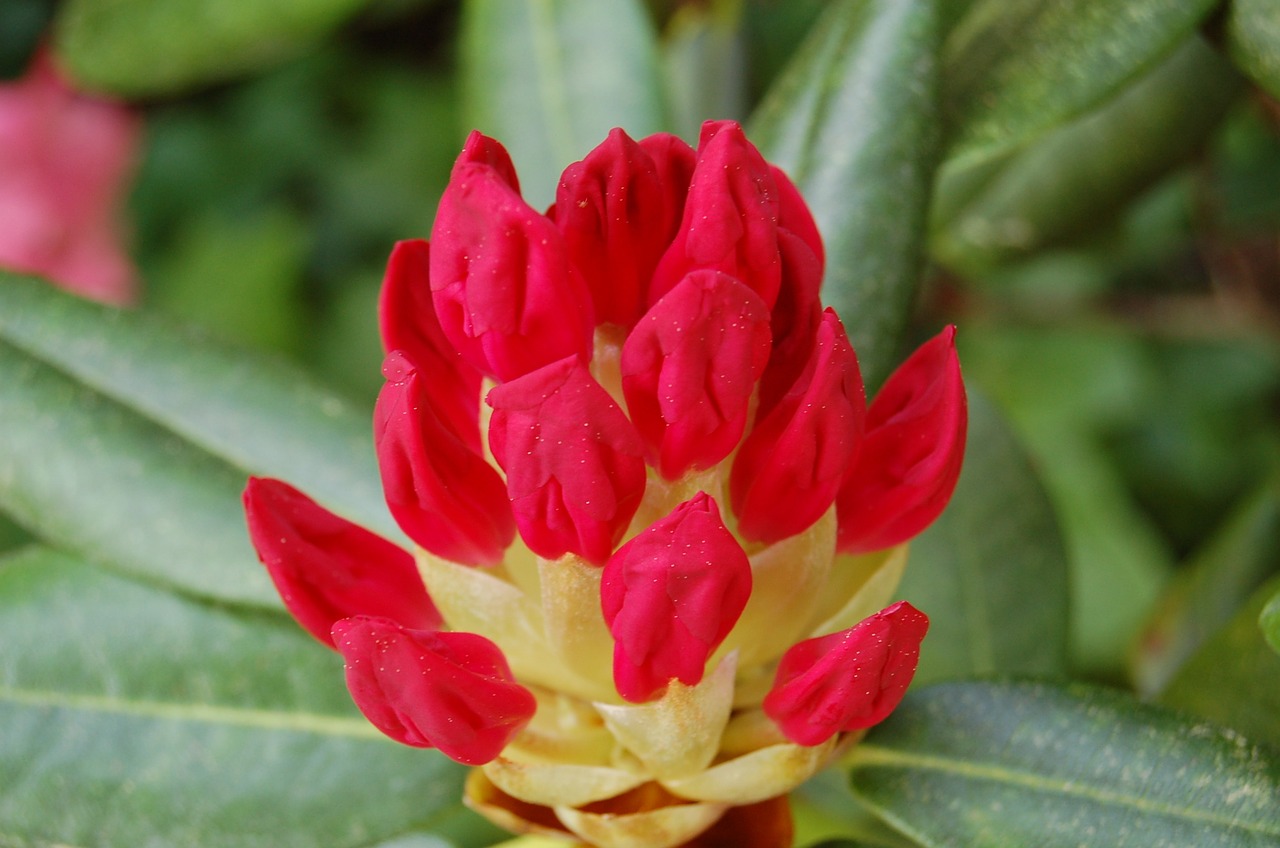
(1209, 590)
(1253, 40)
(550, 78)
(1235, 678)
(1019, 764)
(1014, 69)
(853, 121)
(140, 48)
(135, 717)
(991, 572)
(1082, 172)
(129, 441)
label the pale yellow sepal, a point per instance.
(664, 827)
(866, 583)
(788, 581)
(479, 600)
(754, 777)
(559, 785)
(575, 625)
(563, 730)
(679, 733)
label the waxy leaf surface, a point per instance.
(1014, 764)
(133, 716)
(129, 441)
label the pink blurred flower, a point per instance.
(65, 163)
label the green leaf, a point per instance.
(991, 572)
(550, 78)
(1014, 69)
(1209, 590)
(1076, 176)
(144, 48)
(853, 121)
(1235, 678)
(135, 717)
(1269, 621)
(129, 442)
(1253, 40)
(1009, 764)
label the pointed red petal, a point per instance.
(441, 492)
(505, 294)
(689, 369)
(407, 318)
(327, 568)
(791, 465)
(483, 150)
(617, 218)
(574, 463)
(847, 680)
(429, 689)
(904, 475)
(730, 221)
(670, 596)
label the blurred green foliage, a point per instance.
(1110, 250)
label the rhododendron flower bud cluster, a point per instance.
(65, 161)
(656, 525)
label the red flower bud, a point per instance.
(674, 161)
(670, 596)
(910, 459)
(730, 221)
(574, 463)
(504, 291)
(617, 219)
(407, 318)
(483, 150)
(441, 492)
(798, 309)
(790, 467)
(429, 689)
(689, 369)
(847, 680)
(795, 217)
(326, 568)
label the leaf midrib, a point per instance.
(214, 714)
(874, 755)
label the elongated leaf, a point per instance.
(1077, 175)
(1253, 39)
(130, 443)
(1235, 678)
(1014, 69)
(258, 415)
(853, 121)
(134, 717)
(1207, 593)
(140, 48)
(1006, 764)
(991, 572)
(550, 78)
